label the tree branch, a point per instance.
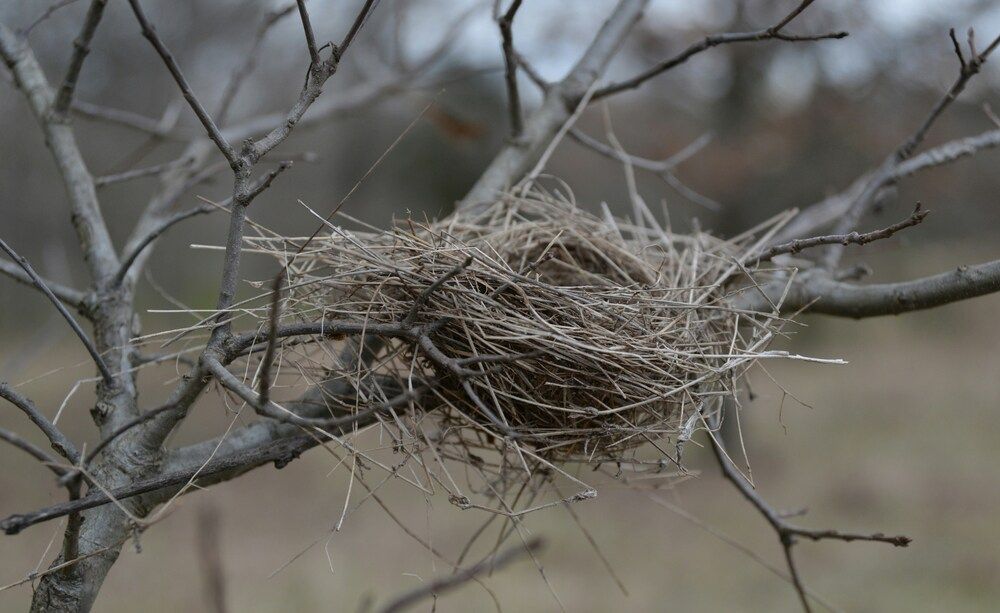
(308, 31)
(887, 170)
(281, 451)
(26, 446)
(505, 22)
(853, 238)
(815, 292)
(57, 439)
(516, 159)
(462, 576)
(786, 531)
(40, 284)
(98, 249)
(73, 297)
(81, 47)
(772, 33)
(206, 120)
(834, 207)
(153, 235)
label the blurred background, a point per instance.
(901, 440)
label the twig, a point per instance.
(138, 173)
(833, 208)
(787, 532)
(853, 238)
(206, 120)
(267, 361)
(663, 169)
(55, 6)
(245, 67)
(772, 33)
(35, 452)
(40, 284)
(817, 293)
(460, 577)
(308, 31)
(153, 235)
(57, 439)
(81, 47)
(70, 296)
(359, 21)
(505, 23)
(281, 451)
(127, 119)
(263, 183)
(887, 170)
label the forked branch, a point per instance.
(787, 532)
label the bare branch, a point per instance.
(505, 22)
(308, 31)
(853, 238)
(516, 159)
(281, 451)
(127, 119)
(57, 439)
(833, 208)
(138, 173)
(153, 235)
(244, 69)
(883, 175)
(661, 168)
(263, 183)
(788, 532)
(359, 21)
(26, 446)
(206, 120)
(70, 296)
(87, 220)
(773, 33)
(462, 576)
(272, 340)
(55, 6)
(40, 284)
(817, 293)
(81, 47)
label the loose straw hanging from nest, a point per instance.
(581, 338)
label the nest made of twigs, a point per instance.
(580, 337)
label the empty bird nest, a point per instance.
(530, 325)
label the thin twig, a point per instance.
(505, 22)
(775, 32)
(787, 532)
(28, 447)
(449, 582)
(886, 172)
(267, 362)
(308, 31)
(81, 47)
(57, 439)
(852, 238)
(206, 120)
(55, 6)
(153, 235)
(40, 284)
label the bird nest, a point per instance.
(532, 325)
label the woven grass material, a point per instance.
(597, 336)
